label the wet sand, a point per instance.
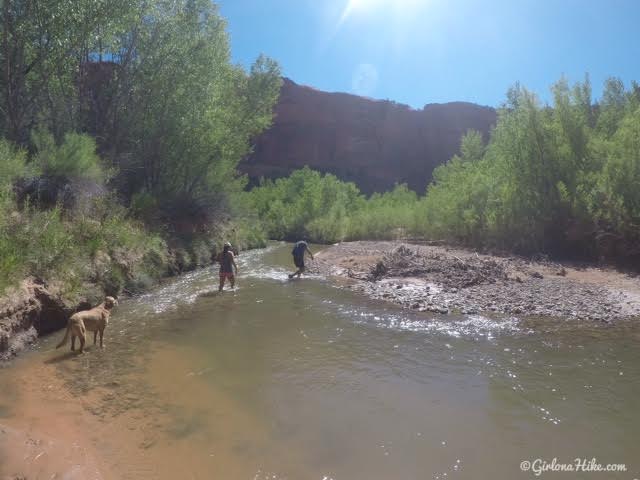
(46, 432)
(50, 433)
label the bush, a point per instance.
(75, 158)
(13, 165)
(99, 243)
(322, 208)
(555, 179)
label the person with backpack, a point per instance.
(299, 249)
(227, 266)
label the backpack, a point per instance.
(298, 249)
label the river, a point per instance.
(299, 379)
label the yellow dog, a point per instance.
(94, 320)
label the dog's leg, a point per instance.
(73, 342)
(101, 334)
(95, 335)
(82, 335)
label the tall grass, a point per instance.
(71, 248)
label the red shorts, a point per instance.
(224, 275)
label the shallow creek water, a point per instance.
(301, 380)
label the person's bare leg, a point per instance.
(232, 279)
(221, 283)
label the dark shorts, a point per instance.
(298, 261)
(224, 275)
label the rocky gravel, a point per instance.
(445, 280)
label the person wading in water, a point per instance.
(227, 266)
(299, 249)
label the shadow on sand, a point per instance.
(212, 293)
(65, 356)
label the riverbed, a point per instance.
(298, 379)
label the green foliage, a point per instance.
(247, 234)
(144, 206)
(75, 158)
(192, 113)
(105, 246)
(13, 165)
(151, 81)
(46, 245)
(472, 146)
(456, 202)
(43, 49)
(554, 179)
(618, 205)
(389, 215)
(287, 206)
(324, 209)
(146, 87)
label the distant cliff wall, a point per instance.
(373, 143)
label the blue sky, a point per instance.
(428, 51)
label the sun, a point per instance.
(359, 4)
(355, 7)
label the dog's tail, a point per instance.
(66, 336)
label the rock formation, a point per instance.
(374, 143)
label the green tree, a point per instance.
(44, 48)
(611, 106)
(618, 207)
(471, 146)
(190, 113)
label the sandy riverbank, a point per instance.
(451, 280)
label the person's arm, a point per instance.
(233, 262)
(309, 252)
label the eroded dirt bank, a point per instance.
(37, 307)
(450, 280)
(31, 310)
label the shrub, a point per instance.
(75, 158)
(323, 208)
(552, 179)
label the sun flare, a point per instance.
(353, 7)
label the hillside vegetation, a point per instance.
(122, 124)
(562, 179)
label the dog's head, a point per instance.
(110, 302)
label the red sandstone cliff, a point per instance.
(374, 143)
